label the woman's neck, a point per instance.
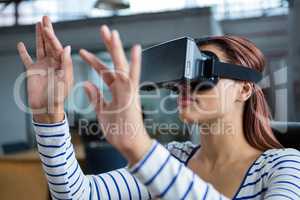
(224, 141)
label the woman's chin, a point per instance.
(187, 116)
(190, 116)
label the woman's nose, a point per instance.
(184, 89)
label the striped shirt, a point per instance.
(162, 173)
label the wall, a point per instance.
(13, 122)
(147, 29)
(294, 58)
(271, 35)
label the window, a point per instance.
(61, 10)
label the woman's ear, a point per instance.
(245, 92)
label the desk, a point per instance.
(22, 176)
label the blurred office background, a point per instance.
(274, 25)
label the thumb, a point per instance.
(94, 95)
(66, 58)
(67, 65)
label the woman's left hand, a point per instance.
(121, 118)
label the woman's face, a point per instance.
(211, 104)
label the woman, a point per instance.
(239, 157)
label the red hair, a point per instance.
(256, 115)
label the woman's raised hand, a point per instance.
(50, 77)
(121, 118)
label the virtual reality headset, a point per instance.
(180, 61)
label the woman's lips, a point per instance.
(184, 101)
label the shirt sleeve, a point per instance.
(167, 178)
(284, 176)
(65, 177)
(157, 175)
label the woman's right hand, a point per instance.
(50, 78)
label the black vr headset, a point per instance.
(180, 61)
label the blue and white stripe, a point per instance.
(161, 173)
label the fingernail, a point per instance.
(104, 26)
(139, 47)
(83, 51)
(68, 49)
(20, 44)
(116, 33)
(105, 29)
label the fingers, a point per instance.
(135, 69)
(53, 45)
(25, 57)
(94, 95)
(40, 48)
(118, 54)
(92, 60)
(47, 23)
(114, 45)
(106, 36)
(67, 64)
